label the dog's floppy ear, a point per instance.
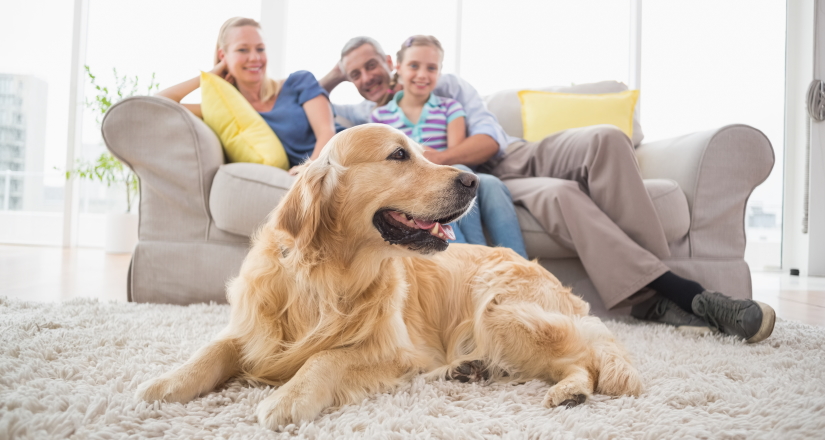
(304, 208)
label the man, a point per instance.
(583, 186)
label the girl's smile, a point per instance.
(419, 70)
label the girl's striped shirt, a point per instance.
(431, 130)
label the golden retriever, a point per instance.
(350, 288)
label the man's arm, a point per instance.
(475, 150)
(356, 114)
(333, 78)
(482, 125)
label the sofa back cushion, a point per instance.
(507, 107)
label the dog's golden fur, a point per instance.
(330, 311)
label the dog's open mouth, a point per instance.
(435, 228)
(418, 234)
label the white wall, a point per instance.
(802, 251)
(816, 211)
(799, 46)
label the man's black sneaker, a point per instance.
(750, 320)
(665, 311)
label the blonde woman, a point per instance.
(296, 108)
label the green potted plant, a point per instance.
(121, 227)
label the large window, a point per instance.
(317, 30)
(496, 45)
(173, 40)
(523, 43)
(34, 102)
(706, 64)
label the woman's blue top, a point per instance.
(288, 119)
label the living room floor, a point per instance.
(37, 273)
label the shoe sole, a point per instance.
(768, 321)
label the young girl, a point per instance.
(438, 123)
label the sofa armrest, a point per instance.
(175, 156)
(717, 169)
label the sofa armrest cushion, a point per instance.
(243, 195)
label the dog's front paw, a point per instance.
(282, 408)
(565, 394)
(153, 390)
(162, 389)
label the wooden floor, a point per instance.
(54, 274)
(37, 273)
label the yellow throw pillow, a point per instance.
(245, 136)
(545, 113)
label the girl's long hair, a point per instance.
(270, 87)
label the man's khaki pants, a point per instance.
(584, 187)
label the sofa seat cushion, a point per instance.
(668, 200)
(243, 195)
(671, 204)
(537, 242)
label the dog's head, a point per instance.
(372, 186)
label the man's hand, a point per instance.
(475, 150)
(434, 156)
(333, 78)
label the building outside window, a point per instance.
(22, 142)
(34, 97)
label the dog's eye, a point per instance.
(399, 154)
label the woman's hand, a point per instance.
(295, 170)
(222, 71)
(179, 91)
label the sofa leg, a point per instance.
(129, 280)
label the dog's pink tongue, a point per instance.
(447, 230)
(423, 224)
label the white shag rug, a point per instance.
(69, 370)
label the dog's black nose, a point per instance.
(469, 180)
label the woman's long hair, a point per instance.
(270, 87)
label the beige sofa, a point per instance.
(197, 212)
